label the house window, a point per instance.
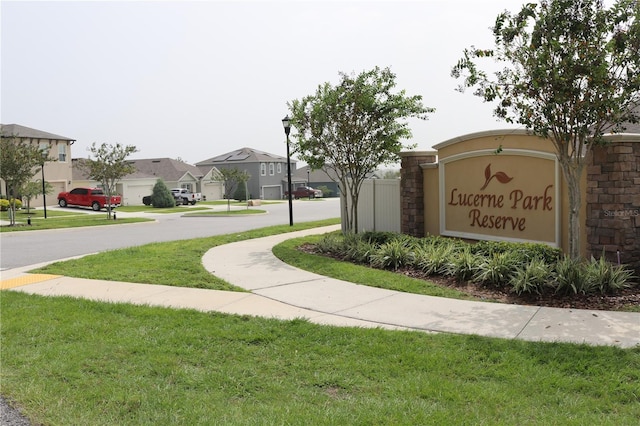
(263, 169)
(44, 148)
(279, 168)
(62, 152)
(271, 169)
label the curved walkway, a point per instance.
(281, 291)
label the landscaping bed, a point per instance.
(625, 299)
(513, 273)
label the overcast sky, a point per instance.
(193, 80)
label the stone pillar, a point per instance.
(613, 203)
(412, 191)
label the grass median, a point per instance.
(57, 219)
(174, 263)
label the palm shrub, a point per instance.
(463, 265)
(531, 278)
(605, 277)
(161, 196)
(496, 269)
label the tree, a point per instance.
(231, 180)
(33, 189)
(571, 74)
(18, 159)
(161, 197)
(354, 127)
(240, 193)
(110, 165)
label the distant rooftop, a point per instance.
(8, 130)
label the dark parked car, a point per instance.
(304, 192)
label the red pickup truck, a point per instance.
(87, 197)
(304, 192)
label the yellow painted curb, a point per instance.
(25, 280)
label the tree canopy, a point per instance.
(232, 179)
(109, 166)
(18, 160)
(354, 127)
(571, 74)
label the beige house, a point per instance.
(174, 173)
(57, 172)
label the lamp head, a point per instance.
(286, 123)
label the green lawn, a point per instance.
(176, 263)
(57, 219)
(151, 209)
(238, 212)
(68, 361)
(78, 362)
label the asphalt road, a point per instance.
(18, 249)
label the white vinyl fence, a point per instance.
(378, 206)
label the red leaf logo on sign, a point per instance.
(501, 176)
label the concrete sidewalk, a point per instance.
(284, 292)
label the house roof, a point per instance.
(243, 155)
(633, 128)
(8, 130)
(167, 169)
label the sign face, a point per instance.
(510, 196)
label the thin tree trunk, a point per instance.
(572, 174)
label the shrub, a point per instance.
(360, 251)
(4, 204)
(326, 192)
(531, 277)
(463, 265)
(161, 196)
(333, 244)
(393, 254)
(496, 269)
(570, 277)
(522, 253)
(605, 277)
(241, 192)
(432, 259)
(378, 237)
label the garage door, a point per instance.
(272, 193)
(132, 194)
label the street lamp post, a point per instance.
(308, 183)
(44, 149)
(44, 196)
(286, 122)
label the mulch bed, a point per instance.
(604, 302)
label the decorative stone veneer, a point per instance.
(613, 203)
(412, 192)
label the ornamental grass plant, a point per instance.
(522, 268)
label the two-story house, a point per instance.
(268, 172)
(57, 172)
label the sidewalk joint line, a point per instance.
(528, 322)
